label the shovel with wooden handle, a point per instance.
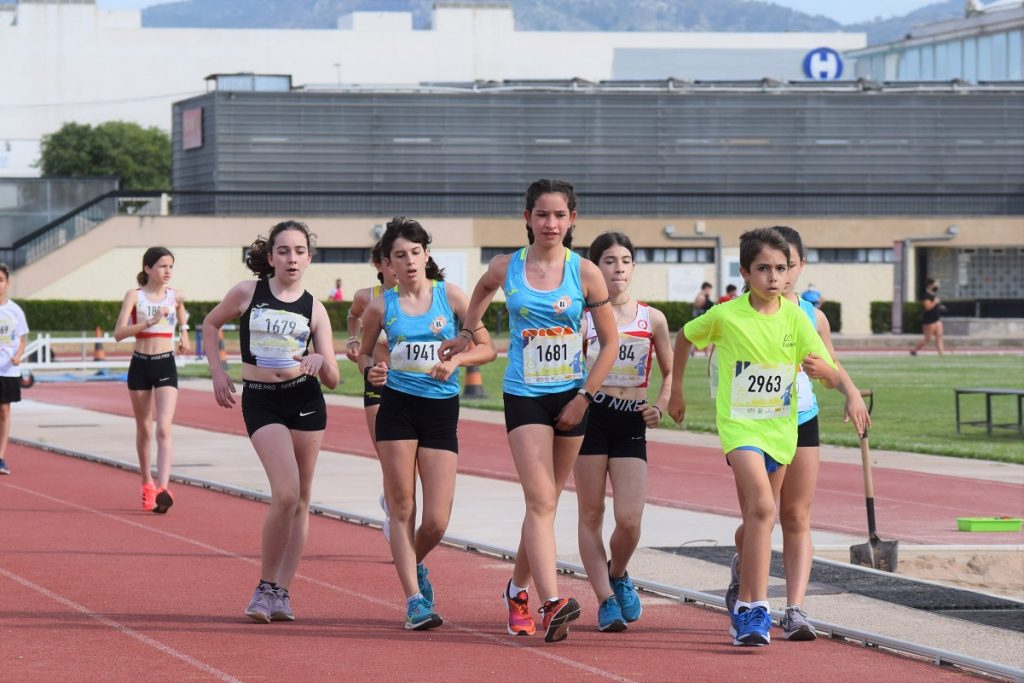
(876, 552)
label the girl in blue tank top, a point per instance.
(545, 353)
(417, 422)
(547, 389)
(801, 476)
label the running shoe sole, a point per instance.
(256, 615)
(432, 621)
(805, 632)
(558, 629)
(756, 639)
(614, 627)
(163, 502)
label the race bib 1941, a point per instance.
(419, 356)
(762, 391)
(549, 359)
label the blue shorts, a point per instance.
(770, 463)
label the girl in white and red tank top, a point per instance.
(150, 314)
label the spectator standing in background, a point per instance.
(931, 322)
(703, 302)
(813, 296)
(730, 294)
(336, 294)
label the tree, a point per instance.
(139, 157)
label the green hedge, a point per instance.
(60, 315)
(833, 311)
(881, 317)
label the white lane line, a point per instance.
(121, 628)
(390, 605)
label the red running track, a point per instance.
(96, 590)
(910, 506)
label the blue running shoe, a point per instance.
(419, 616)
(609, 616)
(426, 590)
(753, 627)
(735, 623)
(629, 599)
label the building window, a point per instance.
(674, 255)
(487, 253)
(870, 255)
(332, 255)
(341, 255)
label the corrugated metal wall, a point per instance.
(791, 142)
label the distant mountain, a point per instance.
(542, 15)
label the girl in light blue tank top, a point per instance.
(413, 341)
(545, 353)
(417, 422)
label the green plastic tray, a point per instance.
(988, 523)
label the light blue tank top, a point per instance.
(414, 340)
(807, 402)
(545, 353)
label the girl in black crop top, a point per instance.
(282, 404)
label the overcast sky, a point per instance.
(841, 10)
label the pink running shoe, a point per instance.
(520, 621)
(148, 497)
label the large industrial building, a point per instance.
(888, 184)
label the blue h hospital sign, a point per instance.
(823, 64)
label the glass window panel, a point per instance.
(812, 256)
(985, 58)
(910, 65)
(671, 256)
(1014, 56)
(927, 63)
(659, 256)
(643, 255)
(971, 60)
(954, 61)
(999, 57)
(942, 62)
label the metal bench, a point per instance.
(989, 393)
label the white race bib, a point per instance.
(762, 391)
(277, 334)
(553, 359)
(631, 361)
(415, 356)
(7, 326)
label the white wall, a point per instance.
(78, 63)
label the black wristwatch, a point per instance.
(587, 395)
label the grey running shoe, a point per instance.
(795, 625)
(281, 605)
(261, 605)
(732, 593)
